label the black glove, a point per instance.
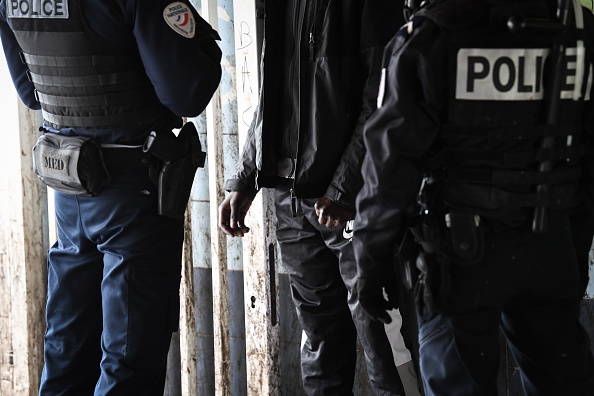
(371, 295)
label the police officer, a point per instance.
(105, 74)
(480, 151)
(320, 78)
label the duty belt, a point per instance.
(119, 159)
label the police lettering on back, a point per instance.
(511, 74)
(37, 8)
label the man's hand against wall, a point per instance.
(232, 212)
(331, 214)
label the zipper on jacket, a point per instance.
(307, 21)
(293, 73)
(312, 28)
(299, 44)
(293, 202)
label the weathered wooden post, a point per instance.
(218, 243)
(187, 327)
(22, 257)
(259, 245)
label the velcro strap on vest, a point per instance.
(85, 81)
(523, 178)
(512, 134)
(491, 198)
(77, 61)
(452, 156)
(89, 101)
(91, 121)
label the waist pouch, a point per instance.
(70, 164)
(466, 237)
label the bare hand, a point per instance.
(331, 214)
(232, 212)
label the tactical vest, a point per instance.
(81, 80)
(489, 155)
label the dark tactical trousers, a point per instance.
(528, 287)
(321, 267)
(113, 292)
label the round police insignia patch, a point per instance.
(180, 18)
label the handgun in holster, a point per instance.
(181, 156)
(433, 263)
(406, 255)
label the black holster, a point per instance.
(432, 262)
(433, 285)
(181, 156)
(406, 255)
(455, 238)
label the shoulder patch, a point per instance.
(51, 9)
(180, 18)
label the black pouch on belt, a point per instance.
(467, 239)
(70, 164)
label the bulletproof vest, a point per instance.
(489, 155)
(81, 80)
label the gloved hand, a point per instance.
(379, 294)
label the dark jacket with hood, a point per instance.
(338, 60)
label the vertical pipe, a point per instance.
(218, 242)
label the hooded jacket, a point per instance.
(340, 48)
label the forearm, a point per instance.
(17, 69)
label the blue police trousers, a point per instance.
(527, 287)
(113, 292)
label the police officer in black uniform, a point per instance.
(481, 152)
(105, 74)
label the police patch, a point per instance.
(510, 74)
(180, 18)
(50, 9)
(500, 74)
